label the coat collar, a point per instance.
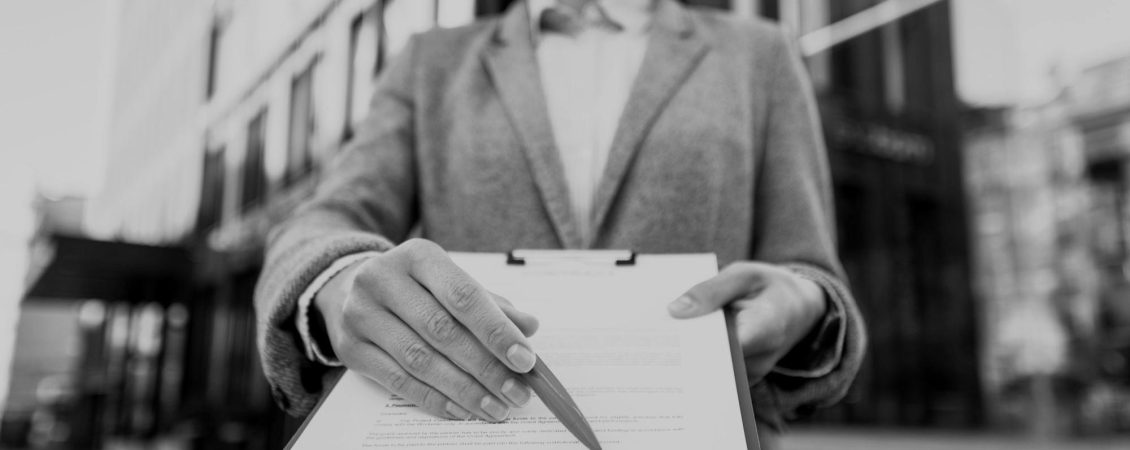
(514, 26)
(633, 15)
(673, 51)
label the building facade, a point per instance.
(226, 113)
(1048, 198)
(890, 112)
(1099, 107)
(1035, 275)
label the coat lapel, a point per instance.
(512, 64)
(673, 51)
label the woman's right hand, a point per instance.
(416, 323)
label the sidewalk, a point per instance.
(852, 439)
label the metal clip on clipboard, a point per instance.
(520, 257)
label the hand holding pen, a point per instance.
(413, 321)
(416, 323)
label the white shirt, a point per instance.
(586, 80)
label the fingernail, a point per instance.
(521, 357)
(681, 305)
(457, 411)
(494, 408)
(515, 392)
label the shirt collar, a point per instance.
(634, 15)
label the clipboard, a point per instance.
(614, 258)
(621, 258)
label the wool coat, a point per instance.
(719, 149)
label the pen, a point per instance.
(553, 394)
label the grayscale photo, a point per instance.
(565, 224)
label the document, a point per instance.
(643, 379)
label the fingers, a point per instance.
(427, 365)
(762, 330)
(760, 324)
(757, 368)
(761, 336)
(774, 309)
(429, 320)
(382, 368)
(471, 304)
(421, 326)
(734, 282)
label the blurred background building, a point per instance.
(987, 246)
(1048, 198)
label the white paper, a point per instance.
(643, 379)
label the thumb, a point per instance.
(731, 284)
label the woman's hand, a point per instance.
(413, 321)
(775, 309)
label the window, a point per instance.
(769, 9)
(1108, 193)
(402, 19)
(814, 15)
(894, 88)
(364, 62)
(485, 7)
(211, 210)
(214, 37)
(454, 13)
(254, 172)
(299, 158)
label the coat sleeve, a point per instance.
(365, 201)
(794, 227)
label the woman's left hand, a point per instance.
(775, 308)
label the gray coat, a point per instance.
(718, 150)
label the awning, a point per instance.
(82, 268)
(859, 23)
